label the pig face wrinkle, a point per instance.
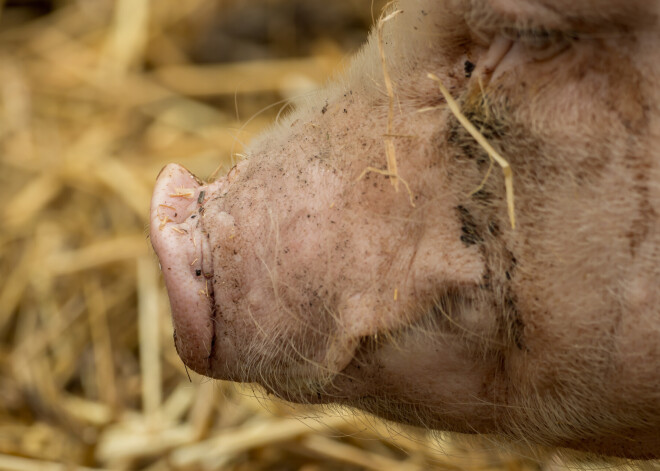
(325, 287)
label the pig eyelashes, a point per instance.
(541, 44)
(537, 38)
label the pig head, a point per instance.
(325, 275)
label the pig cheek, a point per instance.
(426, 379)
(434, 374)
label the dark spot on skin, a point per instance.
(213, 319)
(489, 117)
(193, 216)
(490, 128)
(200, 198)
(469, 68)
(482, 160)
(198, 272)
(646, 214)
(494, 229)
(324, 109)
(483, 196)
(486, 279)
(470, 234)
(516, 325)
(467, 146)
(345, 110)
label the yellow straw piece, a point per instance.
(481, 140)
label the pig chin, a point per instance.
(182, 245)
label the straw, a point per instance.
(95, 98)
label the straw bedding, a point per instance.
(95, 97)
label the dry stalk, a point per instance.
(89, 376)
(389, 142)
(481, 140)
(390, 153)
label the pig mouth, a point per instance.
(183, 248)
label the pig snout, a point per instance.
(364, 252)
(182, 244)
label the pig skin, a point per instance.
(326, 285)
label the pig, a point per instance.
(365, 251)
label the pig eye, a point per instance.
(541, 44)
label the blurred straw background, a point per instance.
(95, 97)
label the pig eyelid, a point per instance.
(541, 44)
(539, 37)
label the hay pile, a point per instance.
(95, 97)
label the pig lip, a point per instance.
(181, 243)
